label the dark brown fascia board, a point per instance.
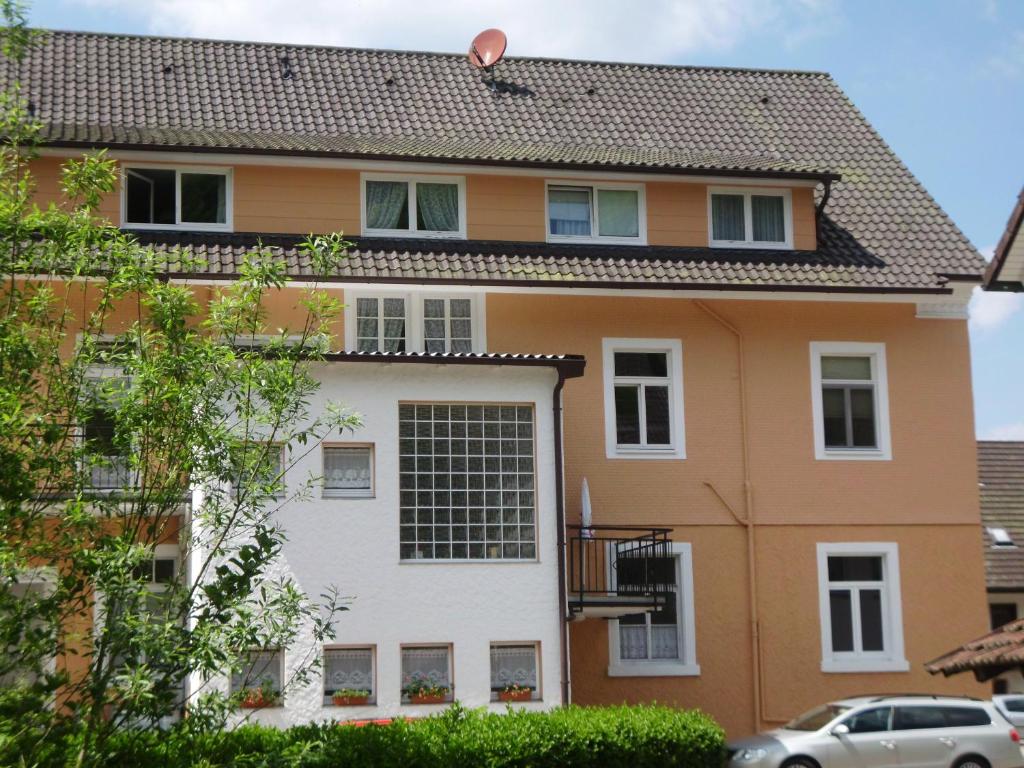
(569, 366)
(1002, 252)
(1004, 590)
(614, 285)
(607, 167)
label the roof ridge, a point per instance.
(447, 54)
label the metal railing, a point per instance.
(608, 563)
(114, 474)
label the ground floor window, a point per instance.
(514, 671)
(349, 676)
(427, 674)
(259, 681)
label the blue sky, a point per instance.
(943, 82)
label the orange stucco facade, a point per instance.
(924, 499)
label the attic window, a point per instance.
(176, 198)
(1001, 538)
(749, 217)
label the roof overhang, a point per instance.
(568, 366)
(1006, 271)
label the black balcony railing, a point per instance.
(618, 570)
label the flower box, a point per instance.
(350, 700)
(428, 698)
(521, 695)
(259, 701)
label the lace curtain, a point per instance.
(430, 664)
(262, 666)
(513, 664)
(387, 205)
(350, 668)
(727, 217)
(569, 211)
(618, 212)
(370, 321)
(768, 218)
(643, 642)
(347, 468)
(437, 207)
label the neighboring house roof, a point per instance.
(1001, 650)
(1001, 480)
(1006, 271)
(568, 366)
(881, 229)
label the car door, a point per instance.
(868, 742)
(921, 736)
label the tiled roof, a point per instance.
(990, 655)
(91, 89)
(1001, 479)
(374, 259)
(571, 366)
(994, 274)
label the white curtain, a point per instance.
(727, 217)
(347, 468)
(425, 664)
(386, 202)
(350, 668)
(569, 211)
(437, 207)
(641, 642)
(768, 217)
(618, 212)
(513, 664)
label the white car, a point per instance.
(1011, 705)
(887, 732)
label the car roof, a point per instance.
(904, 698)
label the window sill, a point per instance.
(653, 669)
(865, 665)
(619, 452)
(469, 561)
(414, 235)
(183, 227)
(596, 240)
(751, 245)
(348, 494)
(871, 454)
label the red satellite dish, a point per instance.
(487, 48)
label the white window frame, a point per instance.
(748, 218)
(880, 380)
(229, 213)
(282, 671)
(373, 670)
(45, 576)
(412, 180)
(594, 237)
(892, 659)
(686, 665)
(673, 348)
(450, 648)
(538, 692)
(414, 315)
(349, 493)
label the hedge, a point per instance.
(609, 737)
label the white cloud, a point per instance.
(990, 311)
(1008, 59)
(1005, 432)
(654, 31)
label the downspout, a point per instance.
(563, 605)
(748, 520)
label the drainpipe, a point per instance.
(748, 519)
(563, 605)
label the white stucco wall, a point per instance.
(354, 544)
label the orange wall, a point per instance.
(302, 200)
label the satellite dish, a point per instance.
(487, 48)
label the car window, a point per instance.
(869, 721)
(1013, 705)
(958, 717)
(914, 718)
(817, 718)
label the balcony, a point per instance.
(615, 571)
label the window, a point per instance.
(1002, 613)
(162, 198)
(913, 718)
(348, 471)
(109, 453)
(414, 323)
(467, 483)
(426, 672)
(861, 614)
(414, 206)
(661, 643)
(870, 720)
(850, 401)
(349, 672)
(1001, 538)
(269, 476)
(513, 669)
(750, 218)
(381, 324)
(261, 670)
(33, 587)
(601, 213)
(643, 398)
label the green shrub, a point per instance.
(609, 737)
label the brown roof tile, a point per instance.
(1001, 480)
(881, 228)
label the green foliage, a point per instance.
(612, 737)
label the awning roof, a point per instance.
(1001, 650)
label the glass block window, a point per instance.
(514, 665)
(380, 324)
(427, 664)
(348, 669)
(258, 669)
(467, 482)
(348, 471)
(448, 325)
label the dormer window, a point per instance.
(414, 206)
(176, 198)
(596, 213)
(1001, 538)
(750, 218)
